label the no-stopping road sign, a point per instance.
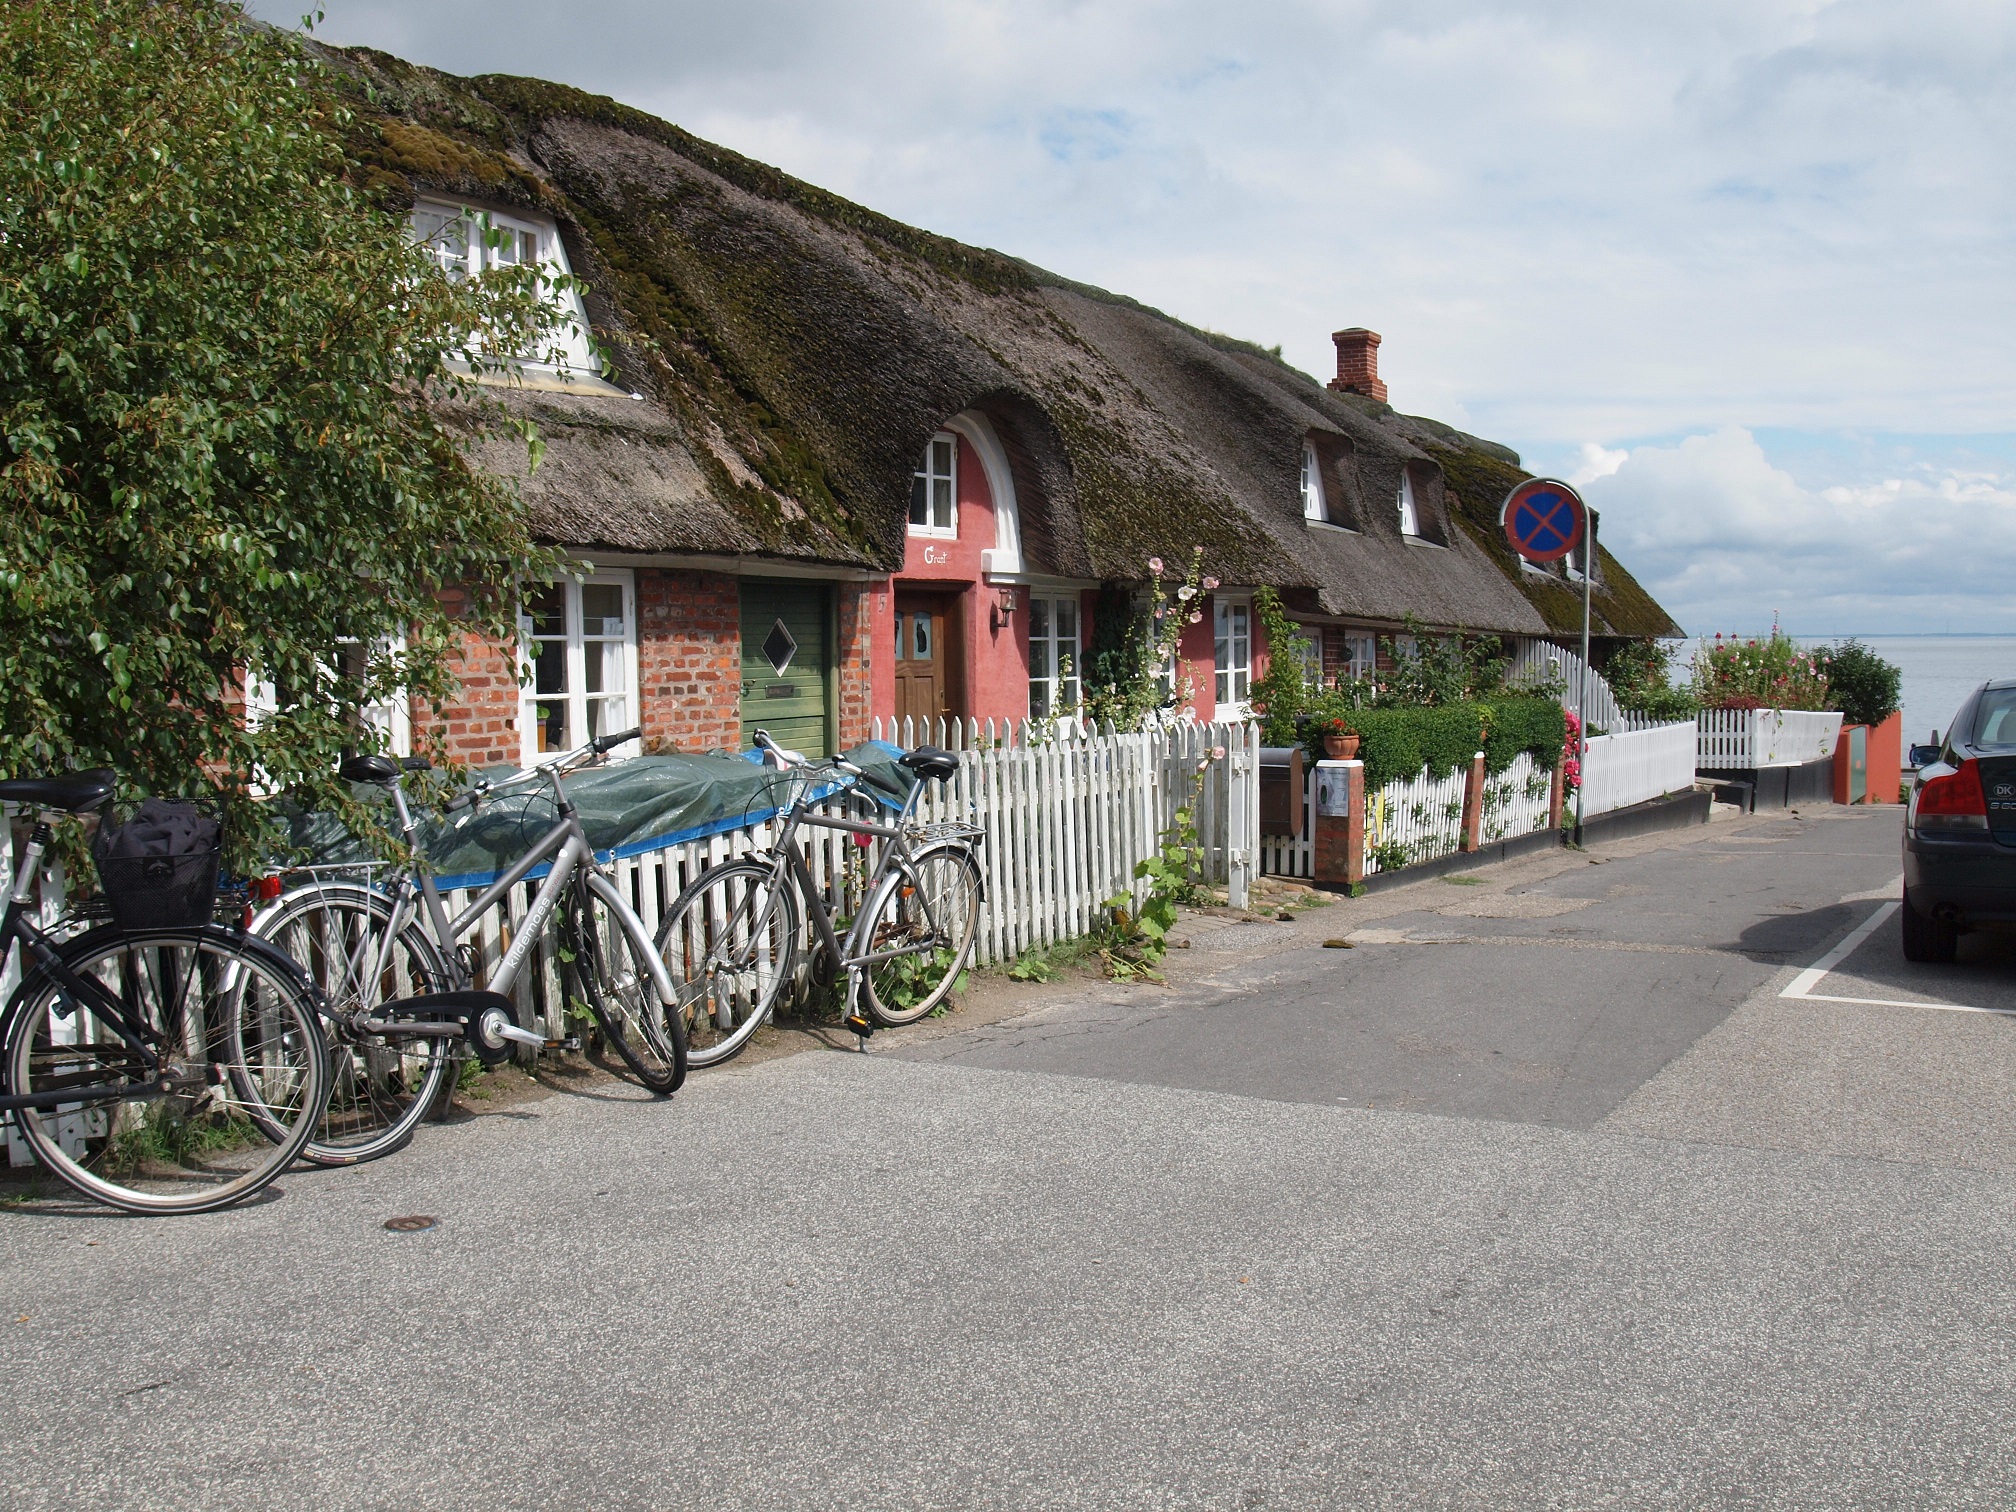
(1543, 519)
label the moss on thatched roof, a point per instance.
(796, 351)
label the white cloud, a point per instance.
(1596, 462)
(1726, 540)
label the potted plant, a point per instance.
(1340, 741)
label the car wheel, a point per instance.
(1926, 939)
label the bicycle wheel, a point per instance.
(221, 1012)
(728, 944)
(611, 972)
(921, 919)
(381, 1085)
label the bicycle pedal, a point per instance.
(860, 1023)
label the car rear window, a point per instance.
(1995, 719)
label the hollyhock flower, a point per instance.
(1155, 565)
(1210, 583)
(1196, 615)
(1186, 593)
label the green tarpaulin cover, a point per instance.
(627, 808)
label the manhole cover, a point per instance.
(412, 1223)
(779, 646)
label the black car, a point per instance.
(1960, 830)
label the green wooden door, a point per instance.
(787, 665)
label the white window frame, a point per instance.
(1056, 685)
(1410, 514)
(455, 235)
(576, 644)
(1232, 676)
(1314, 505)
(923, 473)
(1361, 654)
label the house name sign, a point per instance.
(1544, 519)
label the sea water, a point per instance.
(1939, 671)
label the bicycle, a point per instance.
(367, 945)
(730, 940)
(159, 1070)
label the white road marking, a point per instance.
(1894, 888)
(1804, 983)
(1821, 997)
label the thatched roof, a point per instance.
(796, 351)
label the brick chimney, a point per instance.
(1358, 363)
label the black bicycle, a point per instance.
(730, 941)
(170, 1070)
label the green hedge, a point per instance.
(1397, 743)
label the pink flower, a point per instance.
(1196, 615)
(1217, 753)
(1155, 565)
(1210, 583)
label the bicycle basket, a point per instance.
(159, 868)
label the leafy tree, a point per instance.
(230, 439)
(1281, 698)
(1639, 673)
(1866, 688)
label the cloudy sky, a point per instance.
(1742, 268)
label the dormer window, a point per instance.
(1410, 517)
(1314, 506)
(465, 243)
(934, 488)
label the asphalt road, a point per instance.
(1542, 1195)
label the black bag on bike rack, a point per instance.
(159, 868)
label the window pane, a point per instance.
(549, 666)
(899, 636)
(941, 458)
(1039, 618)
(602, 610)
(1067, 620)
(551, 721)
(548, 610)
(921, 637)
(919, 512)
(1039, 699)
(941, 503)
(1039, 659)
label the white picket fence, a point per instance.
(1728, 739)
(1517, 801)
(1416, 815)
(1417, 819)
(1620, 770)
(1067, 813)
(1539, 661)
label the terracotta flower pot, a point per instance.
(1340, 747)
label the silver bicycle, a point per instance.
(370, 943)
(730, 941)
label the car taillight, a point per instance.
(1955, 801)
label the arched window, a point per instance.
(1314, 506)
(934, 488)
(1410, 518)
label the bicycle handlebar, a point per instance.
(604, 744)
(786, 758)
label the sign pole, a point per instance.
(1582, 693)
(1544, 520)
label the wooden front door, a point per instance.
(787, 665)
(926, 666)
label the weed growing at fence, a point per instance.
(1639, 673)
(1136, 940)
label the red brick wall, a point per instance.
(689, 660)
(855, 660)
(481, 727)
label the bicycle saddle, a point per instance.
(368, 769)
(75, 793)
(929, 761)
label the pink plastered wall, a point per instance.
(995, 648)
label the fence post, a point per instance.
(1473, 805)
(1340, 823)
